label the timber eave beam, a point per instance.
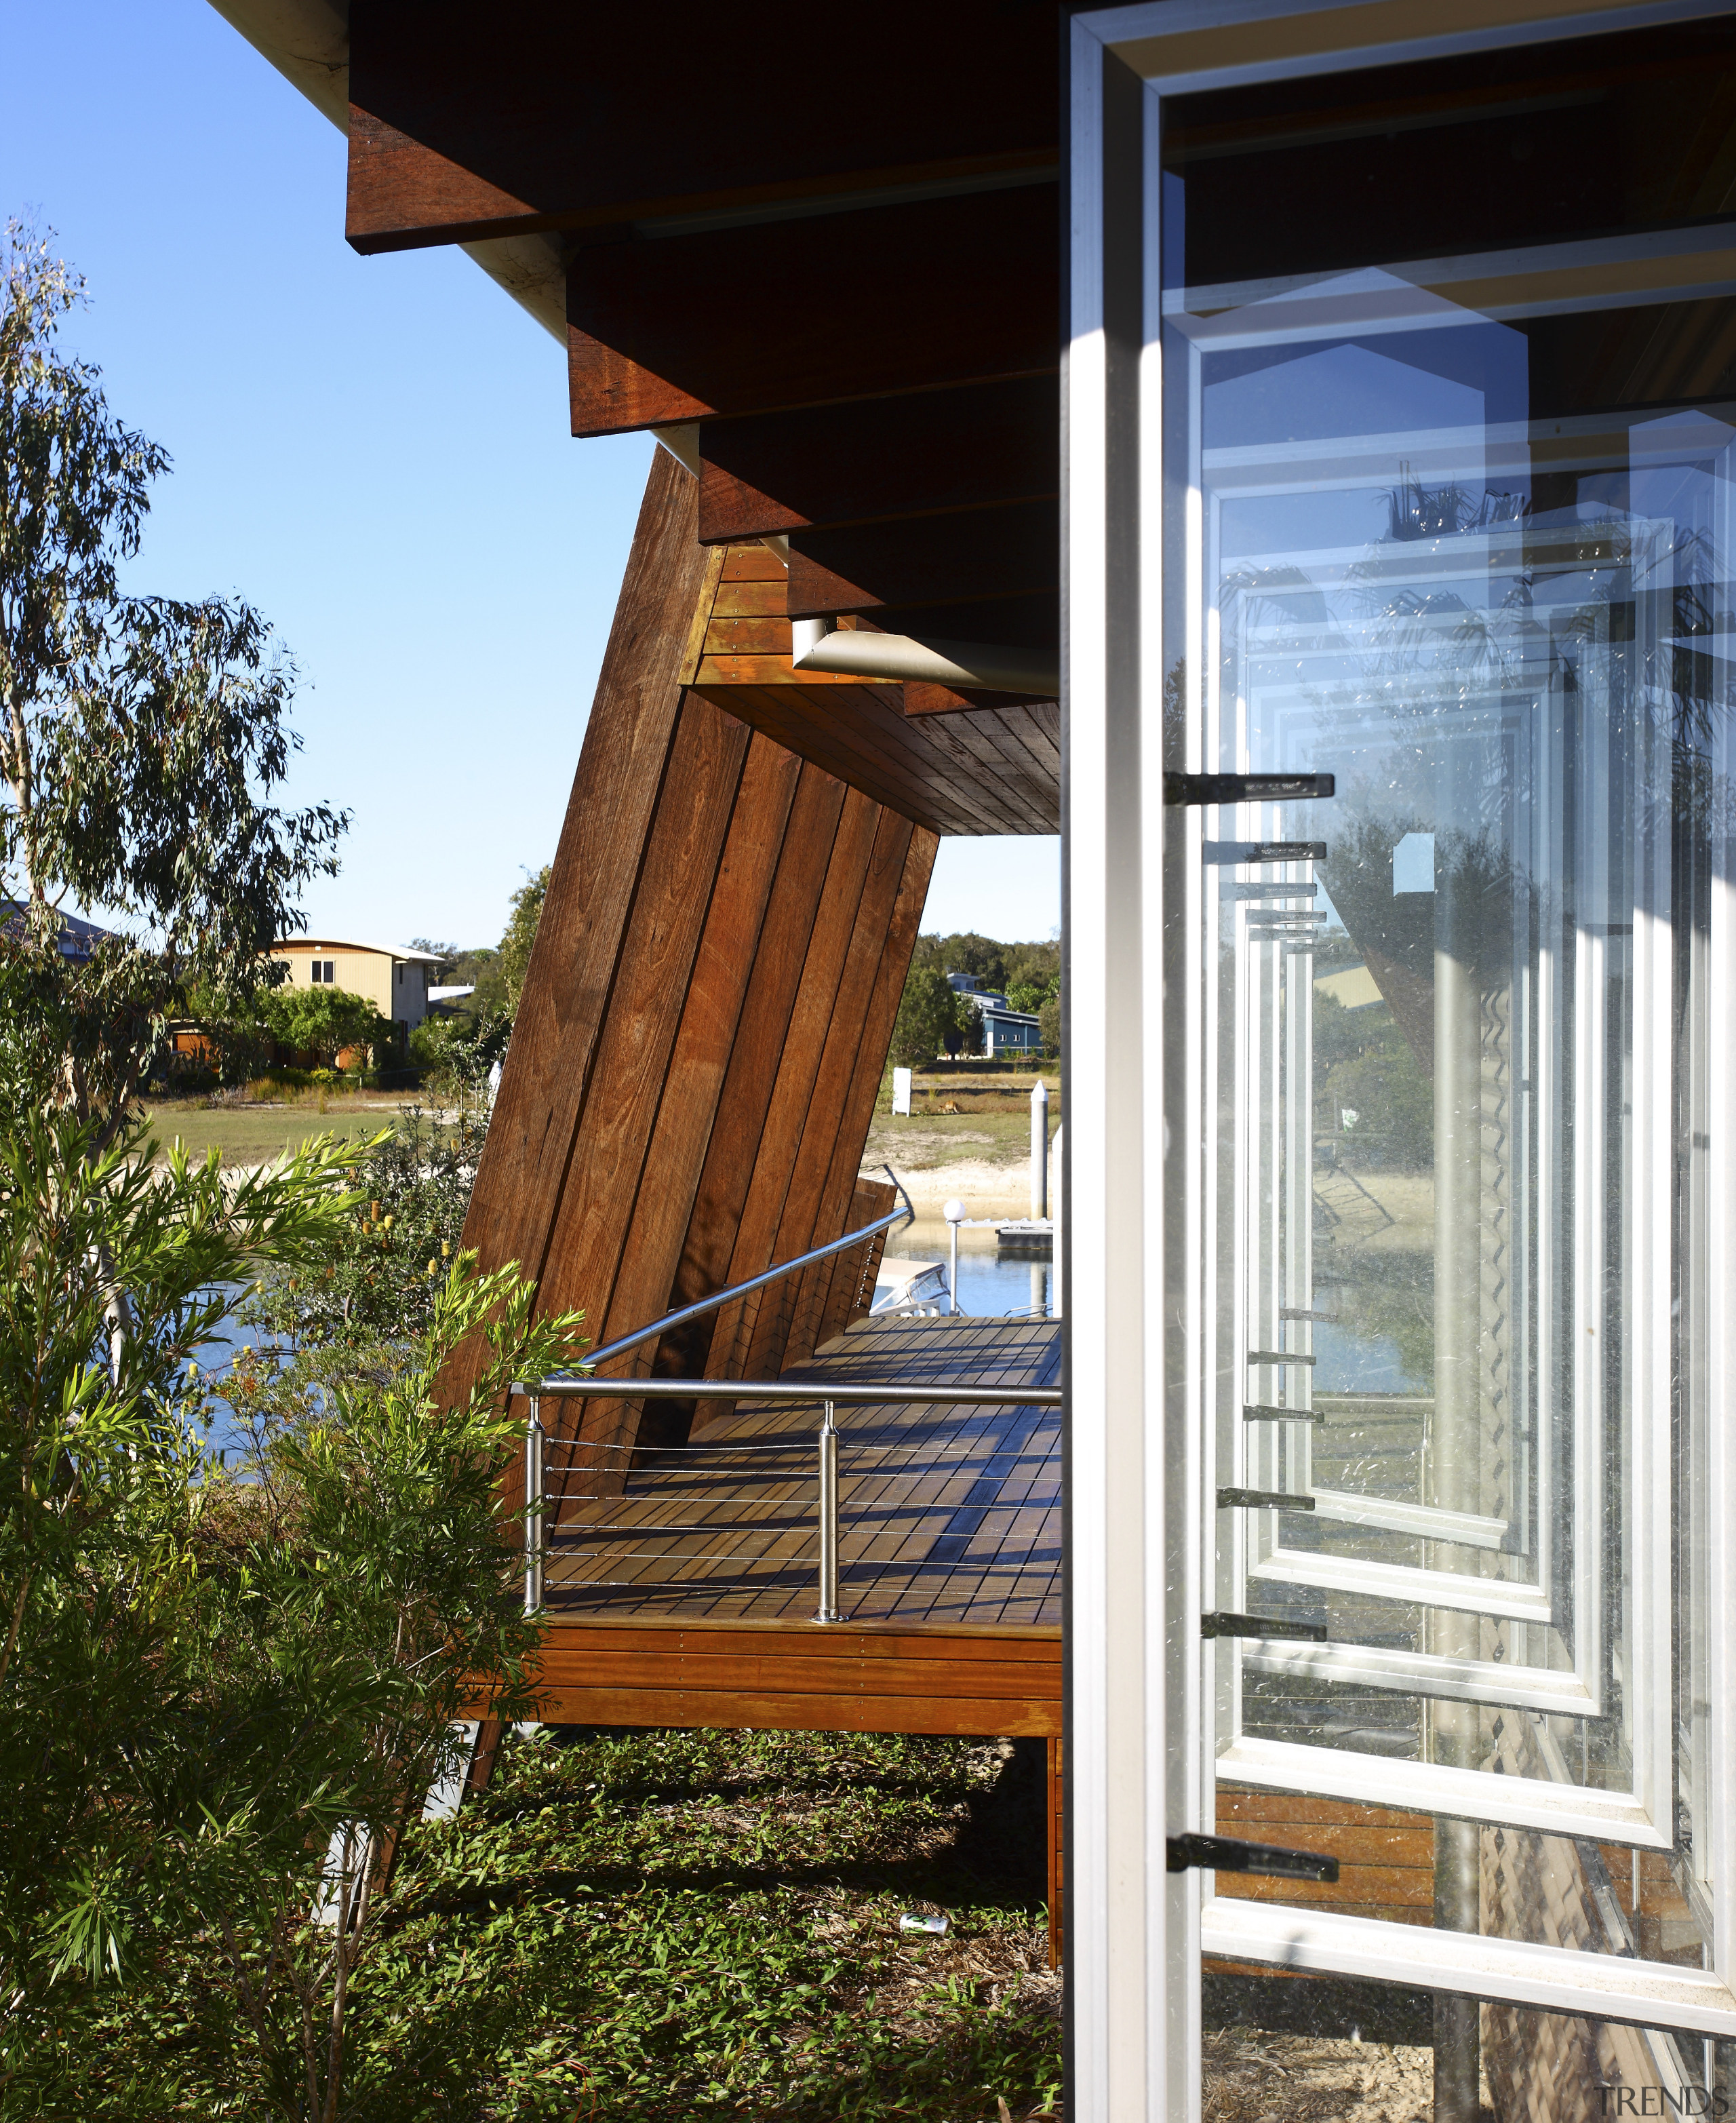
(871, 461)
(1011, 551)
(404, 195)
(537, 116)
(744, 321)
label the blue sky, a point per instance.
(373, 452)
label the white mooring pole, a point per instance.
(1040, 1151)
(1057, 1243)
(954, 1213)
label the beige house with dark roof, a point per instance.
(392, 976)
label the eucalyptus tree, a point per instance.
(142, 738)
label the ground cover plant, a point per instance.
(642, 1926)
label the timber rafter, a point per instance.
(714, 213)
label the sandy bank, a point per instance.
(986, 1190)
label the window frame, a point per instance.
(1135, 1211)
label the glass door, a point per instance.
(1448, 412)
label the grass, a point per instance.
(255, 1134)
(667, 1927)
(985, 1129)
(960, 1116)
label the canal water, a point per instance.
(991, 1282)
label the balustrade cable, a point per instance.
(828, 1397)
(719, 1298)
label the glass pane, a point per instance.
(1456, 1024)
(1450, 520)
(1282, 2047)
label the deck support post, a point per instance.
(1055, 1821)
(533, 1508)
(828, 1520)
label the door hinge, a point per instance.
(1228, 1853)
(1245, 788)
(1261, 1625)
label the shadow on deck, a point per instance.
(688, 1596)
(946, 1516)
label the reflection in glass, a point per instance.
(1448, 386)
(1458, 1042)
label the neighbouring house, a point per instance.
(1011, 1032)
(190, 1046)
(78, 938)
(392, 976)
(1352, 987)
(1005, 1031)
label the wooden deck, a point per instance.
(949, 1517)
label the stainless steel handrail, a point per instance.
(622, 1342)
(853, 1392)
(849, 1394)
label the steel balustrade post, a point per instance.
(828, 1520)
(534, 1440)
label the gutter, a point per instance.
(896, 657)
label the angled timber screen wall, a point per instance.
(707, 1010)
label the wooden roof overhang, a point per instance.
(819, 253)
(821, 259)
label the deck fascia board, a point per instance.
(781, 1675)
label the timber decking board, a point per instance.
(937, 1530)
(1386, 1854)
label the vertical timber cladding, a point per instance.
(708, 1004)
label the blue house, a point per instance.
(1005, 1031)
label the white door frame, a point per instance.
(1135, 1526)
